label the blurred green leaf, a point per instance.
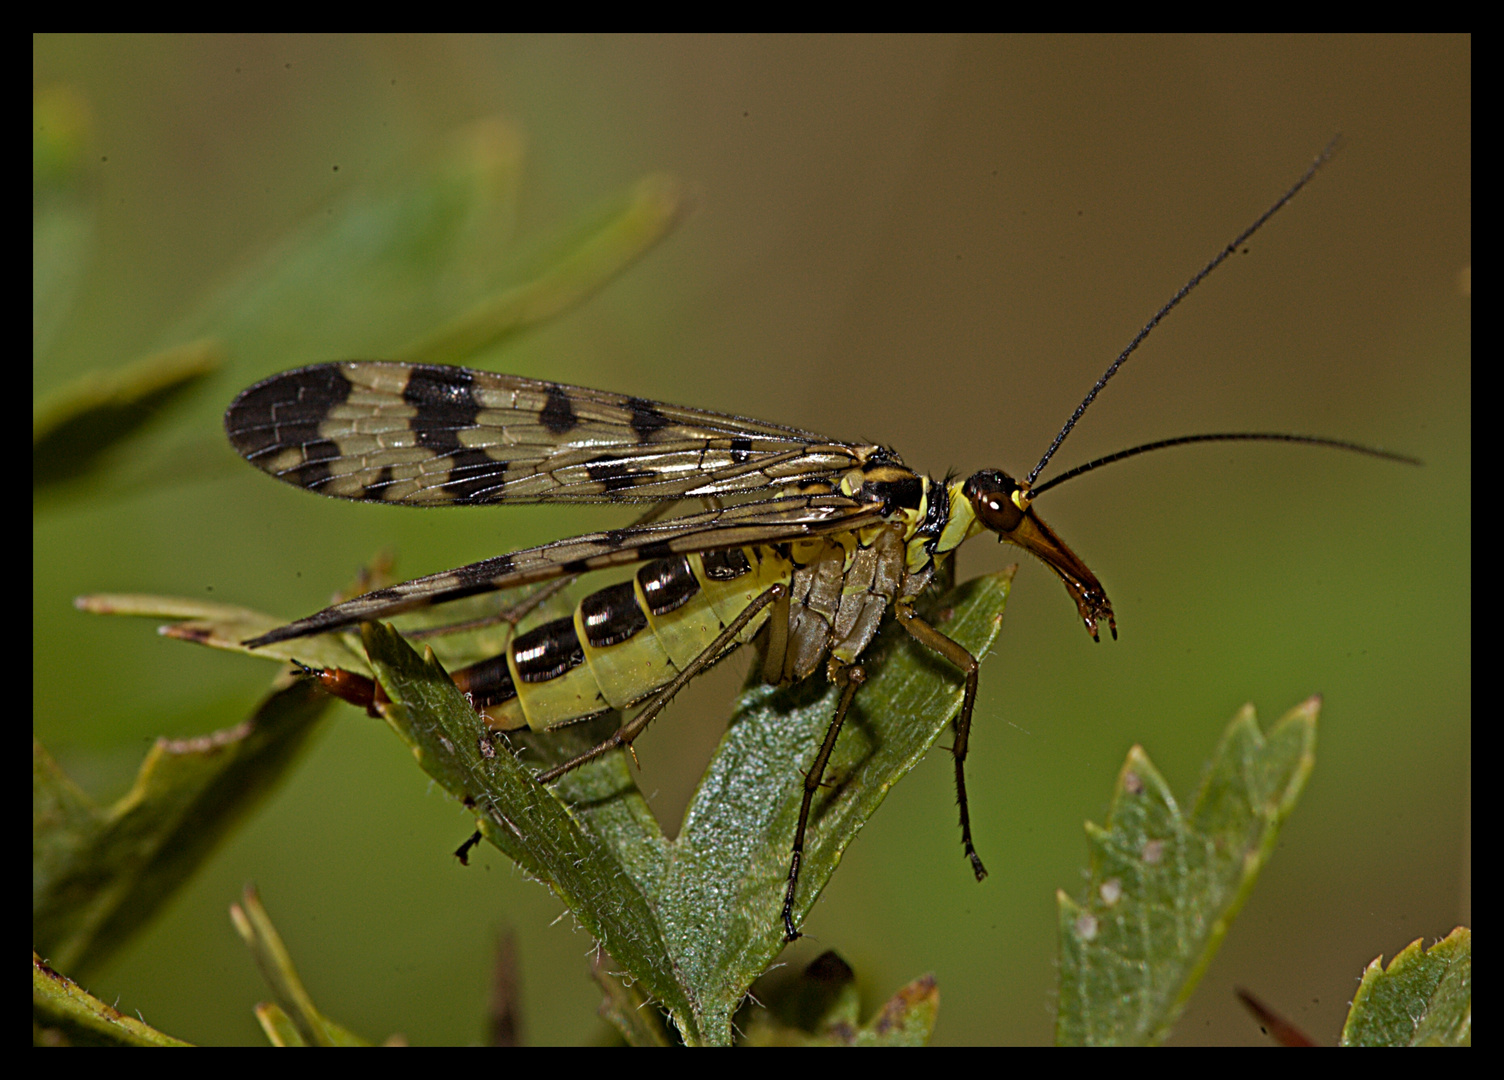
(420, 265)
(62, 211)
(423, 264)
(65, 1014)
(225, 626)
(625, 1007)
(75, 426)
(1165, 885)
(98, 874)
(292, 1020)
(1423, 998)
(604, 250)
(382, 264)
(822, 1008)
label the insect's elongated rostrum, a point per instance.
(794, 539)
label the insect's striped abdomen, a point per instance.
(624, 642)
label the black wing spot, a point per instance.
(616, 475)
(314, 472)
(285, 411)
(373, 490)
(741, 450)
(558, 414)
(474, 476)
(646, 419)
(444, 405)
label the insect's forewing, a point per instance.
(768, 522)
(423, 434)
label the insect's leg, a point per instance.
(624, 735)
(776, 647)
(851, 677)
(933, 639)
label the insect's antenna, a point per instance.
(1321, 159)
(1235, 436)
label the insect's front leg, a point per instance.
(934, 640)
(849, 678)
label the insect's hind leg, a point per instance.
(624, 735)
(934, 640)
(850, 678)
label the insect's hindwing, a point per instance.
(768, 522)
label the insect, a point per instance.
(800, 542)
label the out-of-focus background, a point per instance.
(934, 243)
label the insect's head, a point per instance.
(1001, 505)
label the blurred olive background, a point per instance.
(933, 243)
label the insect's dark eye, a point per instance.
(991, 493)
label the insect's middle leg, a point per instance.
(634, 727)
(850, 678)
(933, 639)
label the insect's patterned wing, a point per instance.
(768, 522)
(423, 434)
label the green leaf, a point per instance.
(226, 626)
(695, 920)
(525, 820)
(65, 1014)
(62, 208)
(293, 1020)
(77, 425)
(605, 249)
(625, 1007)
(822, 1008)
(1165, 886)
(424, 265)
(98, 874)
(1423, 998)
